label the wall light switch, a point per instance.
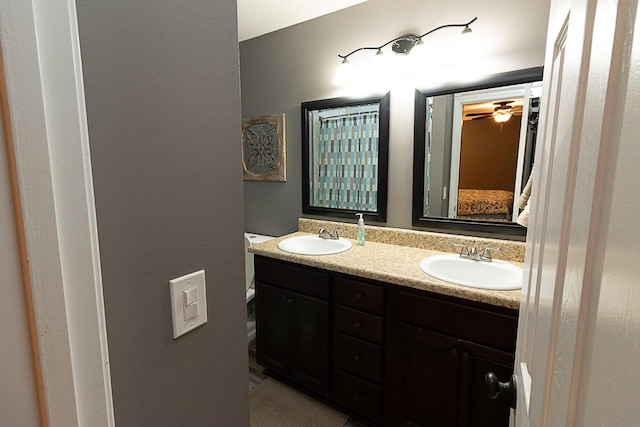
(191, 311)
(188, 302)
(190, 296)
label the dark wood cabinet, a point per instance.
(475, 408)
(293, 327)
(426, 372)
(443, 349)
(386, 354)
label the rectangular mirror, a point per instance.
(345, 157)
(473, 154)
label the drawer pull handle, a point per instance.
(359, 295)
(358, 324)
(357, 358)
(287, 300)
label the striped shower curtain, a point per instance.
(346, 173)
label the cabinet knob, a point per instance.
(357, 358)
(358, 324)
(495, 388)
(356, 396)
(287, 300)
(359, 295)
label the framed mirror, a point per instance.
(473, 154)
(345, 157)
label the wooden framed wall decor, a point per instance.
(264, 148)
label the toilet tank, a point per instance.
(251, 239)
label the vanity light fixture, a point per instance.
(402, 45)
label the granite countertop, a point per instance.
(389, 263)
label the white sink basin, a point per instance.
(496, 275)
(314, 245)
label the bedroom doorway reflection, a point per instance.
(492, 151)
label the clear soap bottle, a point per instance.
(360, 231)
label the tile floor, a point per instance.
(256, 376)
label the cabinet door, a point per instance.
(310, 342)
(273, 339)
(428, 366)
(476, 409)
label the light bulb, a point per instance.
(419, 55)
(467, 44)
(501, 116)
(379, 66)
(344, 73)
(418, 48)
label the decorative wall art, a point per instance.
(264, 148)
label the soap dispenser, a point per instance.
(360, 231)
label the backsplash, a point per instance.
(509, 250)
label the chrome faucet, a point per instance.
(324, 234)
(473, 254)
(464, 252)
(486, 254)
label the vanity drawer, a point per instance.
(360, 324)
(489, 325)
(358, 357)
(361, 397)
(305, 280)
(364, 296)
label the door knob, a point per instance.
(495, 387)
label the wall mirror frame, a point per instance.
(447, 224)
(345, 157)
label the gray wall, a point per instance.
(162, 94)
(284, 68)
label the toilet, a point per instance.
(250, 239)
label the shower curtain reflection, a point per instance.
(345, 175)
(345, 157)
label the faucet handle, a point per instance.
(464, 251)
(486, 254)
(322, 232)
(335, 233)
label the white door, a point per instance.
(19, 403)
(579, 331)
(43, 106)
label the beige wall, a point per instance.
(489, 154)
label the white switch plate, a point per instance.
(177, 289)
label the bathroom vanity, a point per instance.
(369, 333)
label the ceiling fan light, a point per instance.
(501, 116)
